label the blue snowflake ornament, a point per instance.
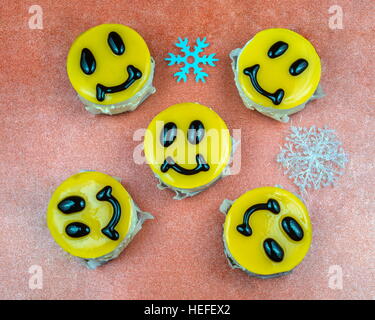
(195, 59)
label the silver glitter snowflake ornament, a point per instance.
(191, 59)
(312, 157)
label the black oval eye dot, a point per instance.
(277, 49)
(168, 134)
(88, 63)
(273, 250)
(71, 204)
(196, 132)
(298, 67)
(77, 230)
(292, 229)
(115, 43)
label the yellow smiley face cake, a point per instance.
(267, 232)
(277, 72)
(111, 69)
(91, 216)
(188, 147)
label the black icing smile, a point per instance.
(170, 163)
(109, 230)
(275, 97)
(102, 90)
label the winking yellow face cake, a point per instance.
(91, 216)
(267, 232)
(277, 72)
(111, 69)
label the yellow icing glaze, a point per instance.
(96, 214)
(215, 147)
(248, 251)
(111, 69)
(273, 74)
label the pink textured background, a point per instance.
(46, 136)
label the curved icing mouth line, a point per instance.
(109, 230)
(102, 90)
(170, 163)
(275, 97)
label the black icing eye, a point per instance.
(298, 67)
(71, 204)
(168, 134)
(88, 63)
(273, 250)
(77, 230)
(277, 49)
(292, 228)
(195, 132)
(115, 43)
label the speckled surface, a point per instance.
(46, 135)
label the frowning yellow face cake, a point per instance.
(187, 146)
(109, 64)
(90, 214)
(267, 231)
